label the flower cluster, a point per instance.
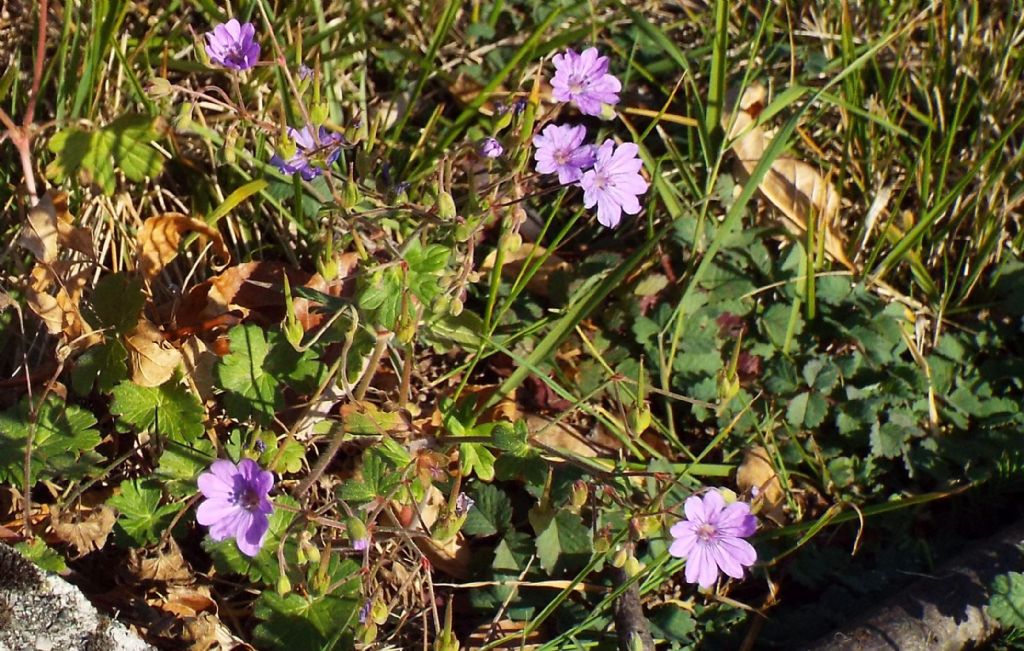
(236, 504)
(309, 157)
(711, 538)
(609, 174)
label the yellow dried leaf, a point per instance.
(161, 235)
(151, 357)
(796, 188)
(757, 476)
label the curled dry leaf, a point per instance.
(160, 237)
(797, 189)
(165, 564)
(257, 290)
(49, 227)
(86, 533)
(528, 253)
(757, 476)
(59, 312)
(151, 357)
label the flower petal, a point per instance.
(212, 511)
(215, 486)
(694, 508)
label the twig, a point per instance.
(630, 623)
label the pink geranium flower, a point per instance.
(583, 79)
(231, 45)
(615, 183)
(711, 538)
(236, 504)
(560, 150)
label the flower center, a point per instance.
(601, 182)
(706, 532)
(248, 499)
(575, 85)
(561, 156)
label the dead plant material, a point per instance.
(160, 237)
(86, 534)
(793, 186)
(255, 290)
(152, 359)
(756, 475)
(49, 228)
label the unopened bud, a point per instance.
(580, 492)
(446, 206)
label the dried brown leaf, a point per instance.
(49, 227)
(793, 186)
(85, 534)
(151, 357)
(756, 475)
(160, 238)
(165, 564)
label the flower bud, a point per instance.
(580, 492)
(284, 586)
(446, 206)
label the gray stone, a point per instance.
(43, 612)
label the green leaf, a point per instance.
(141, 517)
(491, 512)
(63, 437)
(565, 543)
(475, 458)
(168, 409)
(251, 391)
(181, 463)
(101, 367)
(294, 622)
(383, 296)
(380, 478)
(117, 302)
(123, 144)
(259, 365)
(44, 557)
(1006, 604)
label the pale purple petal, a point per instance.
(214, 487)
(683, 544)
(583, 79)
(694, 509)
(736, 520)
(725, 560)
(740, 549)
(214, 510)
(713, 505)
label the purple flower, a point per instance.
(491, 148)
(463, 503)
(305, 72)
(560, 149)
(236, 504)
(583, 79)
(364, 612)
(305, 150)
(615, 183)
(711, 538)
(231, 45)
